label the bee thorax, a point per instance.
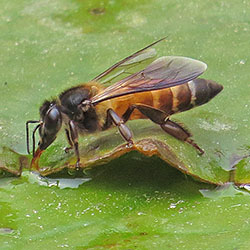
(86, 105)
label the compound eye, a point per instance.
(53, 119)
(50, 125)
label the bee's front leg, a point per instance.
(118, 121)
(67, 149)
(72, 136)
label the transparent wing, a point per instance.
(164, 72)
(128, 64)
(129, 67)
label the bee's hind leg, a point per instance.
(177, 131)
(161, 118)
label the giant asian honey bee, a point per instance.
(166, 86)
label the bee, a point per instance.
(164, 87)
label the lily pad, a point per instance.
(41, 71)
(135, 199)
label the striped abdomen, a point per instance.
(170, 100)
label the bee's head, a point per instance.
(51, 122)
(48, 126)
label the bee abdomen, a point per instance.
(203, 90)
(189, 95)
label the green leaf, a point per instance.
(134, 199)
(124, 207)
(62, 48)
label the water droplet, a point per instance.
(141, 213)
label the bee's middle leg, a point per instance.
(119, 122)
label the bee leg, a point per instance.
(118, 121)
(170, 127)
(67, 149)
(128, 113)
(155, 115)
(73, 135)
(177, 131)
